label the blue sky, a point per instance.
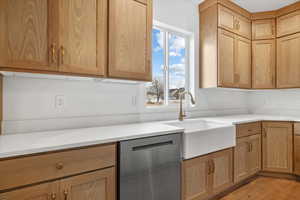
(177, 53)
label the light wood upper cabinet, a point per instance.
(226, 64)
(234, 22)
(91, 186)
(263, 64)
(81, 26)
(27, 34)
(195, 183)
(288, 24)
(263, 29)
(234, 55)
(208, 175)
(288, 62)
(130, 28)
(278, 147)
(222, 168)
(242, 63)
(46, 191)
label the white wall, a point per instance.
(29, 102)
(279, 102)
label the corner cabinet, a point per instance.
(206, 176)
(225, 51)
(130, 28)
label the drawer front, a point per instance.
(33, 169)
(248, 129)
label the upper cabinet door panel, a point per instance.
(288, 24)
(78, 37)
(226, 18)
(243, 26)
(263, 64)
(263, 29)
(130, 28)
(288, 61)
(25, 33)
(234, 22)
(226, 41)
(242, 63)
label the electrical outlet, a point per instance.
(60, 101)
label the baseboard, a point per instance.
(289, 176)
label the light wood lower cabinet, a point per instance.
(207, 175)
(277, 147)
(247, 157)
(297, 148)
(91, 186)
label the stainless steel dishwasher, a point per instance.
(150, 168)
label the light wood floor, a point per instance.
(267, 189)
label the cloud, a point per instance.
(160, 40)
(174, 54)
(177, 43)
(177, 70)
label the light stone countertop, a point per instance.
(38, 142)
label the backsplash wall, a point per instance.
(280, 102)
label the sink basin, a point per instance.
(202, 137)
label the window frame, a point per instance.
(188, 37)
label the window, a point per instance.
(169, 68)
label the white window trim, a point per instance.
(189, 65)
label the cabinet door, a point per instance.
(278, 147)
(195, 179)
(288, 24)
(297, 148)
(226, 59)
(226, 18)
(47, 191)
(243, 26)
(92, 186)
(288, 62)
(254, 164)
(242, 63)
(222, 175)
(130, 28)
(79, 35)
(263, 64)
(27, 38)
(263, 29)
(241, 159)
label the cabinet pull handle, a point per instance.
(53, 53)
(264, 133)
(53, 196)
(249, 147)
(65, 195)
(213, 167)
(209, 167)
(62, 54)
(59, 166)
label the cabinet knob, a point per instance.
(59, 166)
(66, 195)
(53, 196)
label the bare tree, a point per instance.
(157, 89)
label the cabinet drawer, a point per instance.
(248, 129)
(38, 168)
(297, 128)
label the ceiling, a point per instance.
(261, 5)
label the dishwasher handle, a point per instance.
(150, 146)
